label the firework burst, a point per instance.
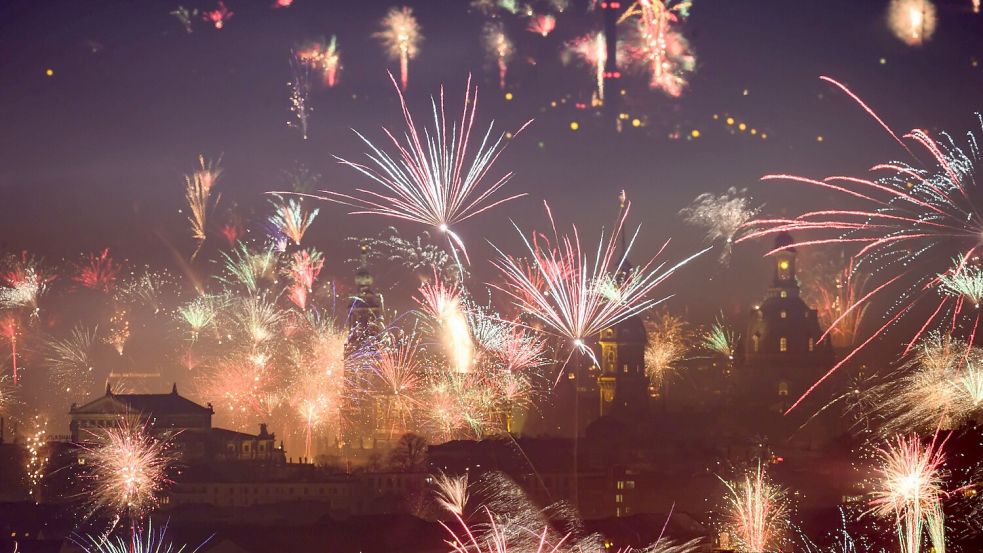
(558, 286)
(218, 16)
(401, 37)
(303, 270)
(542, 25)
(432, 181)
(658, 46)
(721, 339)
(128, 470)
(290, 219)
(668, 342)
(69, 360)
(758, 511)
(938, 387)
(444, 304)
(723, 216)
(98, 271)
(912, 21)
(910, 489)
(500, 48)
(324, 57)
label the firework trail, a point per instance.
(723, 216)
(304, 268)
(198, 192)
(290, 219)
(444, 304)
(910, 490)
(98, 272)
(218, 16)
(912, 21)
(542, 25)
(592, 51)
(916, 218)
(659, 47)
(836, 297)
(401, 37)
(758, 511)
(432, 181)
(127, 469)
(37, 455)
(185, 16)
(300, 92)
(69, 360)
(558, 286)
(500, 48)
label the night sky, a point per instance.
(93, 156)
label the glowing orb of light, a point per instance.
(912, 21)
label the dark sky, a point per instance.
(93, 156)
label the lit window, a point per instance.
(783, 388)
(783, 293)
(621, 484)
(783, 344)
(755, 343)
(619, 498)
(783, 315)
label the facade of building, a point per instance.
(183, 422)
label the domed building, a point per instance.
(782, 351)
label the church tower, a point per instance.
(622, 382)
(782, 351)
(365, 317)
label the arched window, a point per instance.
(755, 343)
(783, 344)
(783, 388)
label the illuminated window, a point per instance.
(619, 498)
(755, 343)
(783, 315)
(783, 388)
(621, 484)
(783, 293)
(812, 344)
(783, 264)
(783, 344)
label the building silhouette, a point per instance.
(783, 352)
